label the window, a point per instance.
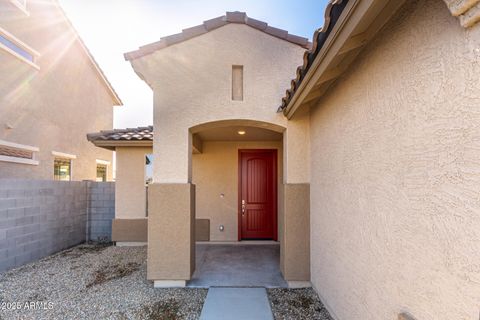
(11, 45)
(101, 172)
(148, 177)
(148, 168)
(14, 152)
(237, 83)
(17, 153)
(17, 48)
(62, 169)
(62, 166)
(21, 4)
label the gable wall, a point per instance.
(55, 107)
(395, 178)
(192, 85)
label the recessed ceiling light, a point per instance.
(241, 132)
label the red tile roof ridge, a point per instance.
(212, 24)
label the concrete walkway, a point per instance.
(237, 265)
(236, 304)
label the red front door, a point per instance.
(257, 194)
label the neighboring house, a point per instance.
(52, 92)
(367, 175)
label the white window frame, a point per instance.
(104, 163)
(22, 5)
(34, 150)
(10, 37)
(68, 156)
(64, 155)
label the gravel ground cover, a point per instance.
(93, 282)
(297, 304)
(106, 282)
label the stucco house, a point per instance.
(367, 174)
(52, 93)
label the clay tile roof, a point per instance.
(332, 13)
(212, 24)
(129, 134)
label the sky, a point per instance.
(112, 27)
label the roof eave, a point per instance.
(113, 144)
(212, 24)
(113, 94)
(128, 137)
(358, 23)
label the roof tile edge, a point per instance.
(145, 133)
(212, 24)
(319, 38)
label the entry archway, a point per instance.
(239, 214)
(216, 173)
(174, 197)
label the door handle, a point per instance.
(243, 207)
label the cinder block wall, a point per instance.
(38, 218)
(101, 210)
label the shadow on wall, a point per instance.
(39, 217)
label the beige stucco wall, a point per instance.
(192, 85)
(55, 107)
(295, 239)
(171, 231)
(215, 172)
(130, 191)
(130, 230)
(395, 183)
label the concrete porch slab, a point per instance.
(241, 243)
(236, 304)
(237, 266)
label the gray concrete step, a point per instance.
(237, 266)
(236, 304)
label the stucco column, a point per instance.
(171, 206)
(130, 223)
(295, 240)
(171, 234)
(172, 150)
(296, 143)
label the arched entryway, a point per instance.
(237, 170)
(196, 196)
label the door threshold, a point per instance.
(242, 243)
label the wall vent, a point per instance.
(14, 152)
(17, 153)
